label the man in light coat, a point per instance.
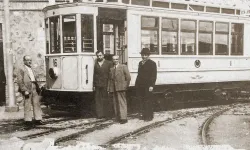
(119, 80)
(29, 88)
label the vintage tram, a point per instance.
(197, 46)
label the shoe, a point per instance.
(123, 121)
(148, 119)
(28, 125)
(39, 122)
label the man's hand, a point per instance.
(150, 89)
(26, 93)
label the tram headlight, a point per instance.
(54, 72)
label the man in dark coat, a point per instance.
(119, 80)
(100, 83)
(145, 81)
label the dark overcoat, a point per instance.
(101, 74)
(147, 74)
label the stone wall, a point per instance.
(27, 37)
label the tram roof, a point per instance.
(241, 5)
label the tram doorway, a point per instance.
(2, 74)
(111, 31)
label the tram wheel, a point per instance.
(169, 98)
(222, 96)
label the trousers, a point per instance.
(120, 105)
(32, 105)
(146, 102)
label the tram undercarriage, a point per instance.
(166, 97)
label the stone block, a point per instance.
(44, 145)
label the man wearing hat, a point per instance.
(145, 81)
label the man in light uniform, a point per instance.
(30, 90)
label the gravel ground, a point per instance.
(100, 137)
(180, 134)
(232, 128)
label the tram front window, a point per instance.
(221, 38)
(87, 33)
(188, 36)
(69, 34)
(55, 35)
(149, 34)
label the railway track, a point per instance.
(69, 132)
(205, 126)
(151, 126)
(55, 130)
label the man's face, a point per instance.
(28, 61)
(100, 56)
(144, 57)
(115, 60)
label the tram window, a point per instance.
(196, 7)
(188, 36)
(178, 6)
(227, 11)
(87, 33)
(237, 12)
(125, 1)
(205, 38)
(47, 35)
(221, 38)
(150, 34)
(112, 0)
(160, 4)
(237, 39)
(169, 36)
(141, 2)
(69, 34)
(55, 35)
(213, 9)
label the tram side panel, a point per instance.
(70, 73)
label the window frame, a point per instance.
(188, 31)
(59, 32)
(152, 29)
(93, 36)
(63, 16)
(170, 30)
(242, 35)
(222, 33)
(206, 32)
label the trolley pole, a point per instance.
(10, 94)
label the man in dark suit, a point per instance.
(28, 86)
(145, 81)
(100, 83)
(119, 80)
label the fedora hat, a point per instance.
(145, 51)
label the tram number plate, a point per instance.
(54, 62)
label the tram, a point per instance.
(197, 46)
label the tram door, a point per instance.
(111, 35)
